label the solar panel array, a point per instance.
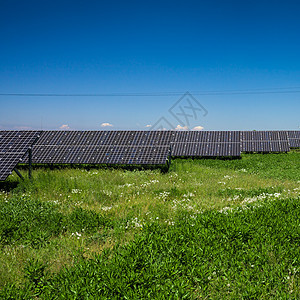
(135, 147)
(232, 143)
(206, 143)
(264, 141)
(102, 147)
(13, 146)
(294, 138)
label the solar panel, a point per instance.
(103, 147)
(206, 143)
(8, 162)
(101, 154)
(206, 149)
(294, 138)
(264, 141)
(205, 136)
(294, 143)
(97, 138)
(13, 146)
(293, 134)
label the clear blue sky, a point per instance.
(158, 47)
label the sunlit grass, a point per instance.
(98, 209)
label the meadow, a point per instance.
(206, 229)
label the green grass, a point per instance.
(206, 229)
(280, 166)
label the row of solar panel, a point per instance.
(150, 138)
(98, 138)
(135, 147)
(114, 147)
(193, 143)
(11, 139)
(234, 136)
(183, 143)
(158, 137)
(103, 147)
(101, 154)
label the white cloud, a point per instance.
(64, 127)
(23, 128)
(198, 128)
(179, 127)
(106, 125)
(147, 126)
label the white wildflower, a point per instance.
(76, 191)
(106, 208)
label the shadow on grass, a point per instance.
(8, 186)
(163, 168)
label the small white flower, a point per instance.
(76, 191)
(106, 208)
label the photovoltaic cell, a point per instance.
(13, 146)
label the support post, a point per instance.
(170, 155)
(18, 173)
(30, 162)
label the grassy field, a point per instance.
(207, 229)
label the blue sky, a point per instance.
(150, 54)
